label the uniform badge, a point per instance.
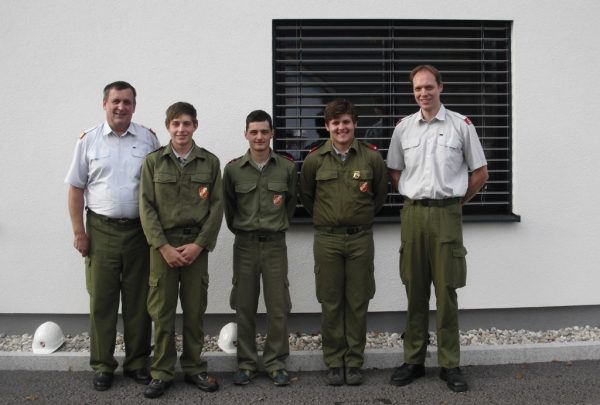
(356, 175)
(364, 186)
(203, 192)
(468, 121)
(277, 200)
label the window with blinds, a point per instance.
(368, 62)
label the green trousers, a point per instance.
(190, 284)
(345, 284)
(432, 251)
(256, 255)
(117, 269)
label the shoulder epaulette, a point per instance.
(468, 121)
(315, 145)
(82, 135)
(234, 160)
(151, 131)
(370, 146)
(287, 156)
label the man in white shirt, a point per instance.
(104, 178)
(430, 155)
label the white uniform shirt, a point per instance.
(108, 167)
(435, 157)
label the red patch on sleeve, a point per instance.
(468, 121)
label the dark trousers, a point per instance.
(117, 268)
(256, 255)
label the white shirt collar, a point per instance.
(107, 130)
(440, 116)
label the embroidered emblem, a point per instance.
(468, 121)
(364, 186)
(277, 200)
(203, 192)
(356, 175)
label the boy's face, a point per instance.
(181, 129)
(341, 130)
(259, 135)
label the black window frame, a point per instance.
(368, 62)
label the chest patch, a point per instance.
(277, 200)
(203, 192)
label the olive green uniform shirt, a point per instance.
(259, 200)
(192, 193)
(340, 193)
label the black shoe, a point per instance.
(243, 376)
(335, 376)
(102, 380)
(140, 376)
(156, 388)
(280, 377)
(454, 379)
(354, 376)
(407, 373)
(203, 381)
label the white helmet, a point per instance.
(48, 338)
(227, 337)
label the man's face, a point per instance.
(427, 91)
(341, 130)
(259, 136)
(119, 107)
(181, 129)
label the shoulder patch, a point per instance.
(151, 130)
(287, 156)
(371, 146)
(468, 121)
(82, 135)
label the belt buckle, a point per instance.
(352, 230)
(262, 238)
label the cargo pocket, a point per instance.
(404, 263)
(154, 295)
(319, 289)
(288, 299)
(88, 275)
(232, 295)
(457, 277)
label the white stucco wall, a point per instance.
(56, 56)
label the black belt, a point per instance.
(430, 202)
(120, 221)
(343, 230)
(261, 236)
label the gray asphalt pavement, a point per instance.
(557, 382)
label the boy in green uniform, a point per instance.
(181, 213)
(343, 184)
(259, 193)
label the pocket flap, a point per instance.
(201, 178)
(459, 251)
(279, 187)
(165, 178)
(326, 175)
(244, 187)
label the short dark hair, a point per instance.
(180, 108)
(338, 107)
(118, 85)
(429, 68)
(259, 116)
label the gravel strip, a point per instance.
(375, 340)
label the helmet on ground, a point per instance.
(48, 338)
(227, 338)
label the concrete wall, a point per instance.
(55, 57)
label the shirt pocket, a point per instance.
(449, 151)
(411, 148)
(326, 175)
(202, 187)
(277, 192)
(363, 182)
(165, 188)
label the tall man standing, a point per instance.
(343, 185)
(104, 177)
(181, 211)
(430, 155)
(259, 192)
